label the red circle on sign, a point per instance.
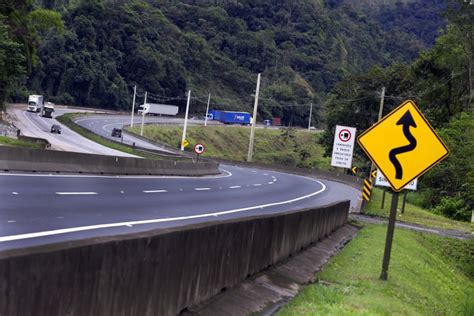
(199, 149)
(345, 135)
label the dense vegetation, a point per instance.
(440, 81)
(303, 48)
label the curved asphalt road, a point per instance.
(42, 209)
(34, 125)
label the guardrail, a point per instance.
(159, 272)
(37, 160)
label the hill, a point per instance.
(303, 48)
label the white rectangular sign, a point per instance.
(343, 147)
(381, 181)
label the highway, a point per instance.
(34, 125)
(38, 209)
(42, 209)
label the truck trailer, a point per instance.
(230, 117)
(47, 110)
(158, 109)
(35, 103)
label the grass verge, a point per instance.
(7, 141)
(428, 275)
(413, 214)
(272, 146)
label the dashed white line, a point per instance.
(235, 187)
(202, 189)
(257, 185)
(157, 220)
(155, 191)
(15, 193)
(76, 193)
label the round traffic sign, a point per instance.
(199, 149)
(345, 135)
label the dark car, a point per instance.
(56, 129)
(116, 132)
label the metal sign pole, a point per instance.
(389, 239)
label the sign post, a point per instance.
(403, 145)
(343, 147)
(199, 149)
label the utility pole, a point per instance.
(207, 109)
(133, 104)
(143, 114)
(254, 121)
(185, 120)
(310, 112)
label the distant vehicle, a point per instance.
(230, 117)
(56, 129)
(35, 103)
(117, 132)
(47, 110)
(267, 122)
(158, 109)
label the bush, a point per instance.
(453, 207)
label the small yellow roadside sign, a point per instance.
(403, 145)
(185, 143)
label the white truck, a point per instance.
(158, 109)
(35, 103)
(47, 110)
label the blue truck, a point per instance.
(230, 117)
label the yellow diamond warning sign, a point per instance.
(403, 145)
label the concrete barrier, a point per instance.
(20, 159)
(158, 272)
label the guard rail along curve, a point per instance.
(159, 272)
(37, 160)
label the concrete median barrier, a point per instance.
(160, 272)
(20, 159)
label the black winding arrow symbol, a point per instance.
(406, 120)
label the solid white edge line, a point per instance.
(202, 189)
(160, 220)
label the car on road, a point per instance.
(56, 129)
(116, 132)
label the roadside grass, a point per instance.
(7, 141)
(67, 119)
(428, 275)
(272, 146)
(412, 214)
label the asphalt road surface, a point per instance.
(42, 209)
(34, 125)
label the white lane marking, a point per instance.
(159, 220)
(270, 182)
(15, 193)
(226, 175)
(265, 174)
(11, 221)
(155, 191)
(257, 185)
(235, 187)
(202, 189)
(76, 193)
(122, 192)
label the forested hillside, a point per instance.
(303, 48)
(441, 83)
